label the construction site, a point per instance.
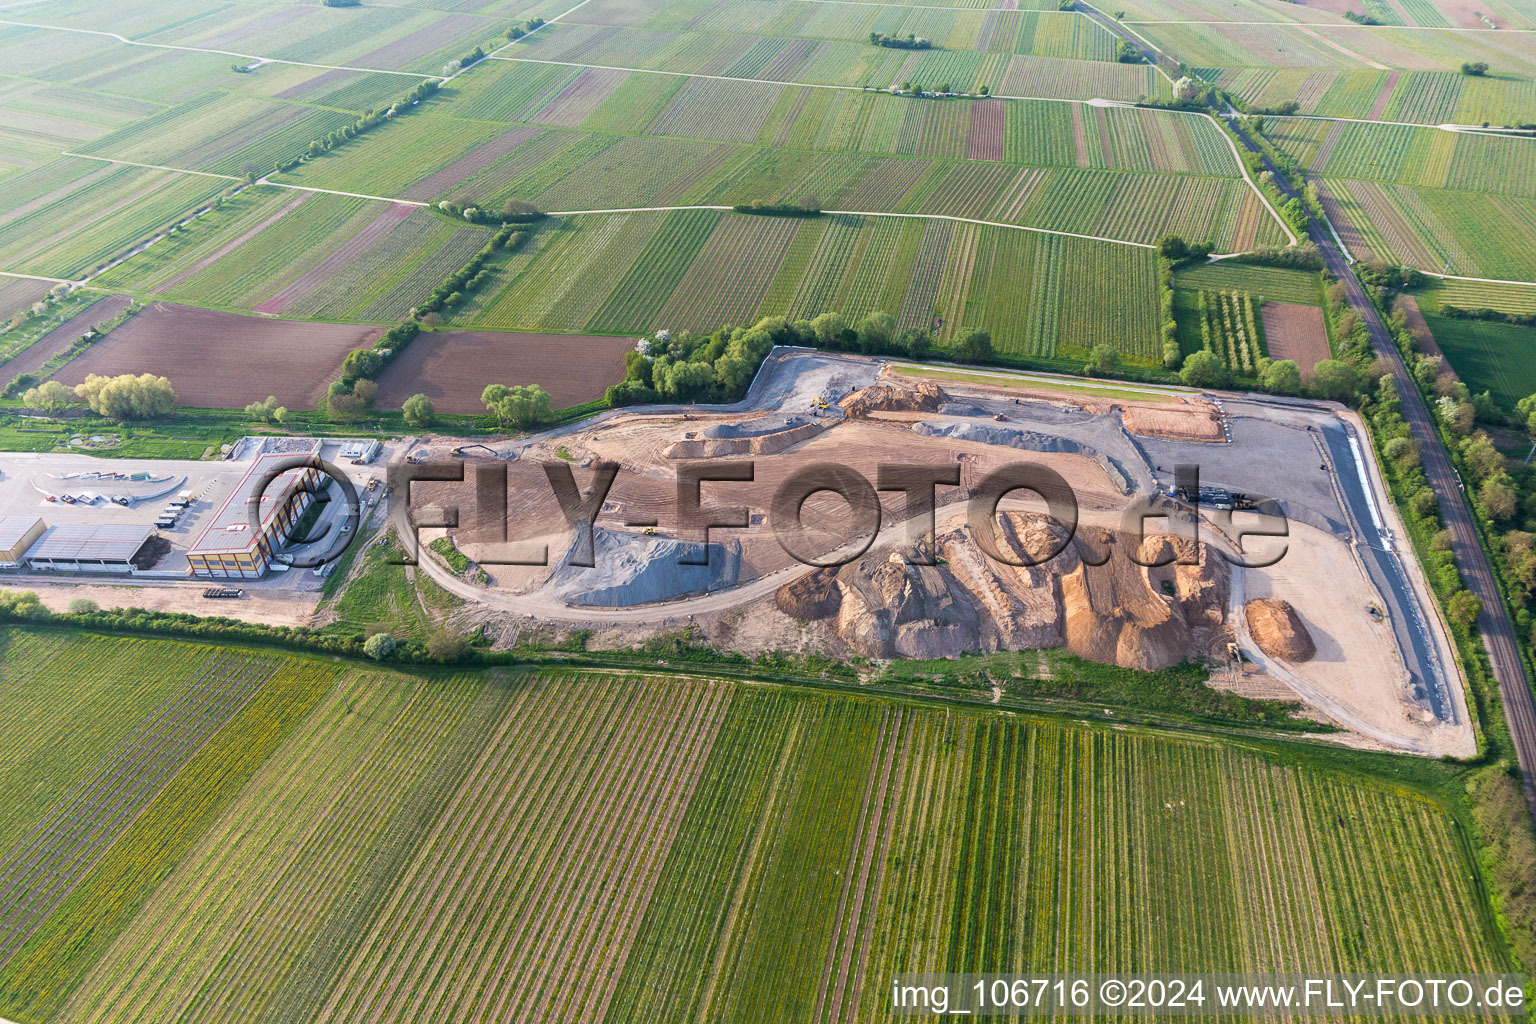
(1252, 534)
(1163, 566)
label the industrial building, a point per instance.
(89, 547)
(239, 541)
(17, 535)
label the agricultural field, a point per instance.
(452, 368)
(553, 846)
(698, 269)
(1438, 230)
(1493, 357)
(253, 357)
(1228, 323)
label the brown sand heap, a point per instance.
(813, 596)
(1119, 613)
(892, 609)
(892, 396)
(1122, 613)
(1176, 421)
(1278, 630)
(1020, 605)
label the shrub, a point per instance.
(82, 605)
(379, 646)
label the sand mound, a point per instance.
(1192, 421)
(919, 396)
(814, 596)
(1278, 630)
(1122, 613)
(892, 609)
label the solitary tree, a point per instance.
(419, 411)
(379, 646)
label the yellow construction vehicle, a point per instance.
(650, 531)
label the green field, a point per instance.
(353, 842)
(1039, 295)
(1276, 284)
(1492, 357)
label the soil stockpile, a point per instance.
(919, 396)
(814, 596)
(1278, 630)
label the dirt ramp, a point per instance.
(1278, 630)
(1173, 421)
(771, 443)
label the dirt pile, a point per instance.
(891, 609)
(768, 443)
(1174, 421)
(1133, 616)
(1278, 630)
(1120, 612)
(918, 396)
(814, 596)
(1020, 604)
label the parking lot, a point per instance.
(138, 491)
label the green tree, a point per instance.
(379, 646)
(83, 606)
(522, 405)
(1475, 68)
(1172, 247)
(49, 396)
(419, 412)
(1204, 369)
(875, 332)
(1102, 359)
(1281, 377)
(1463, 609)
(1335, 380)
(262, 410)
(829, 329)
(1497, 498)
(975, 347)
(128, 397)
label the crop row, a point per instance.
(639, 295)
(323, 865)
(354, 845)
(40, 976)
(1229, 329)
(39, 872)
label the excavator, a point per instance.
(464, 449)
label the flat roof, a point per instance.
(14, 529)
(229, 531)
(90, 542)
